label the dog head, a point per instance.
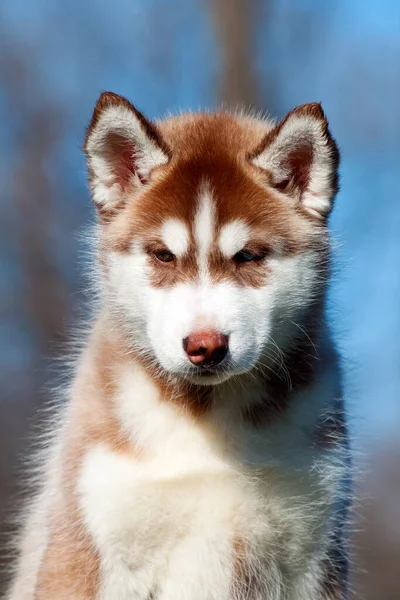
(212, 228)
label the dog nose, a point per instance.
(206, 348)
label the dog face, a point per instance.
(213, 233)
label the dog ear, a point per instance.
(302, 159)
(122, 148)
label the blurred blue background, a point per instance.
(170, 55)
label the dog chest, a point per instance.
(165, 527)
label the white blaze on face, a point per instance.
(175, 236)
(204, 227)
(233, 237)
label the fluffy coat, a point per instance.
(169, 480)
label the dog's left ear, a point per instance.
(302, 159)
(122, 149)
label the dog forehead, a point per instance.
(194, 188)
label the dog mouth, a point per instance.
(210, 374)
(206, 373)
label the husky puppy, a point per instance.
(201, 454)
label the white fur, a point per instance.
(233, 237)
(204, 225)
(168, 520)
(254, 318)
(148, 155)
(175, 236)
(35, 533)
(317, 199)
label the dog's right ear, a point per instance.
(122, 148)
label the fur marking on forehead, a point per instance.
(175, 236)
(204, 225)
(233, 237)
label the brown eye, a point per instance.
(246, 256)
(164, 256)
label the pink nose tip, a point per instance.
(206, 348)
